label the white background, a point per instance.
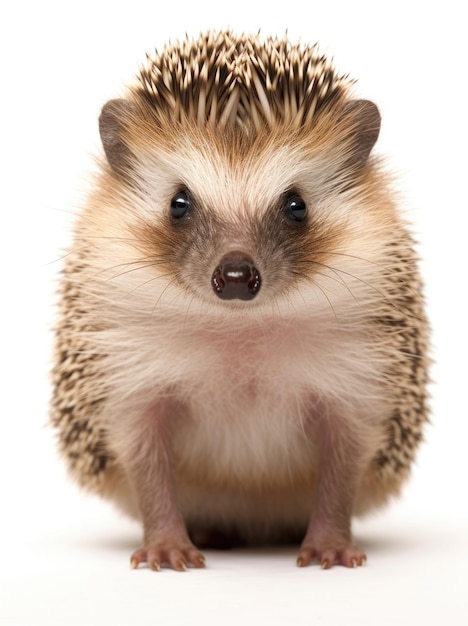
(63, 555)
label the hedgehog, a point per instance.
(241, 347)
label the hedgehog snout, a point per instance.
(236, 277)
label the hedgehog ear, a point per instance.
(112, 123)
(364, 117)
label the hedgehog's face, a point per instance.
(236, 234)
(235, 222)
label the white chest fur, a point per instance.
(247, 394)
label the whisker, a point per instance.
(400, 307)
(189, 304)
(162, 293)
(303, 275)
(73, 212)
(77, 250)
(141, 264)
(279, 310)
(107, 238)
(338, 278)
(355, 277)
(316, 284)
(291, 303)
(66, 255)
(349, 256)
(387, 271)
(146, 282)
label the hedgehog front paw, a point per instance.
(329, 553)
(176, 555)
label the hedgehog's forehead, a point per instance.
(224, 174)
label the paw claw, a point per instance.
(200, 561)
(176, 557)
(347, 555)
(304, 558)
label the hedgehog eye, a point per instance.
(180, 205)
(295, 208)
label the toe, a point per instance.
(305, 557)
(327, 558)
(352, 557)
(195, 558)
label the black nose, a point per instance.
(236, 277)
